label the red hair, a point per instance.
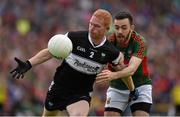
(105, 16)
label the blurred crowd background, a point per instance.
(27, 25)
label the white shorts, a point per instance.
(119, 98)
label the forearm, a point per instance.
(126, 72)
(127, 80)
(130, 69)
(129, 83)
(40, 57)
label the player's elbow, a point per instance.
(132, 71)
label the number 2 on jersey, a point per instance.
(91, 54)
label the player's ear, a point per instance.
(132, 27)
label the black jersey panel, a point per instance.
(70, 79)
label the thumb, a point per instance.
(18, 60)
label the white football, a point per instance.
(60, 46)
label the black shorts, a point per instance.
(59, 99)
(141, 106)
(137, 106)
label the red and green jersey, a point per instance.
(136, 47)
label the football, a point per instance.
(60, 46)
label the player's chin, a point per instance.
(92, 33)
(94, 36)
(119, 37)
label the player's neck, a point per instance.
(97, 41)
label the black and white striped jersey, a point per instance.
(79, 69)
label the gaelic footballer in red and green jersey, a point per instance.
(136, 47)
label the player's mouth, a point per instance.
(120, 37)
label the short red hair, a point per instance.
(105, 16)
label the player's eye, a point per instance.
(124, 27)
(94, 25)
(116, 27)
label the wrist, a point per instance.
(115, 76)
(133, 91)
(29, 66)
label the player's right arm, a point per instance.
(127, 80)
(129, 83)
(40, 57)
(24, 66)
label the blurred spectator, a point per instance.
(176, 97)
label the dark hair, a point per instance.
(123, 15)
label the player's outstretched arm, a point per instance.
(24, 66)
(41, 57)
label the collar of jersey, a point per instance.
(96, 46)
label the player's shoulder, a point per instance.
(138, 37)
(110, 46)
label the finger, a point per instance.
(101, 74)
(14, 74)
(18, 76)
(17, 60)
(12, 71)
(101, 77)
(105, 71)
(100, 81)
(22, 76)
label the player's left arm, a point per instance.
(126, 72)
(130, 69)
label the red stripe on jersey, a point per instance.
(145, 69)
(141, 44)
